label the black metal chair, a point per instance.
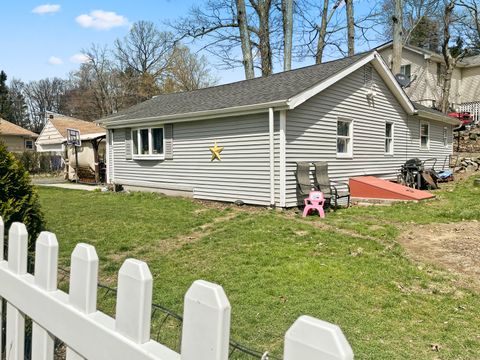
(304, 186)
(329, 188)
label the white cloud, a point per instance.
(55, 60)
(79, 58)
(101, 20)
(46, 9)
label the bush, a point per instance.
(18, 198)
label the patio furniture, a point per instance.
(315, 201)
(328, 187)
(304, 186)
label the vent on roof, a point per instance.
(368, 76)
(50, 116)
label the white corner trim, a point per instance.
(271, 130)
(283, 157)
(107, 159)
(307, 94)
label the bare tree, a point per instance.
(397, 20)
(470, 23)
(350, 27)
(42, 96)
(287, 16)
(187, 71)
(144, 54)
(451, 59)
(216, 23)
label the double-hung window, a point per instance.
(389, 138)
(406, 70)
(344, 137)
(148, 143)
(424, 135)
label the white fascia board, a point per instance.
(307, 94)
(195, 116)
(392, 83)
(438, 117)
(92, 136)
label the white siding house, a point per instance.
(266, 125)
(426, 69)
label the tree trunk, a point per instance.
(450, 61)
(350, 27)
(245, 40)
(322, 32)
(397, 36)
(262, 7)
(287, 12)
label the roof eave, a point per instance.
(116, 122)
(438, 117)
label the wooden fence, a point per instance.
(91, 334)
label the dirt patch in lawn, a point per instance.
(455, 247)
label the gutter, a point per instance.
(438, 117)
(197, 115)
(272, 155)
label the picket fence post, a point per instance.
(46, 261)
(2, 245)
(312, 339)
(83, 284)
(206, 323)
(17, 264)
(134, 301)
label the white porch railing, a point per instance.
(91, 334)
(473, 108)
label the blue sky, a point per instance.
(42, 39)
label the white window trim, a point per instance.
(445, 136)
(150, 155)
(420, 135)
(392, 152)
(349, 154)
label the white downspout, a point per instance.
(272, 156)
(107, 160)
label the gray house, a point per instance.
(241, 141)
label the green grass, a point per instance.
(275, 268)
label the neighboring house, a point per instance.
(426, 70)
(350, 112)
(53, 139)
(16, 138)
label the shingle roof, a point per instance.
(277, 87)
(8, 128)
(62, 123)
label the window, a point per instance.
(424, 135)
(406, 70)
(389, 138)
(344, 137)
(440, 73)
(147, 143)
(445, 136)
(29, 144)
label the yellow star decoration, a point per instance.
(216, 150)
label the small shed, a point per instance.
(16, 138)
(91, 154)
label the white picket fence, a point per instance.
(473, 108)
(91, 334)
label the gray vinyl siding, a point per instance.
(243, 174)
(311, 133)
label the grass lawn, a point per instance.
(276, 266)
